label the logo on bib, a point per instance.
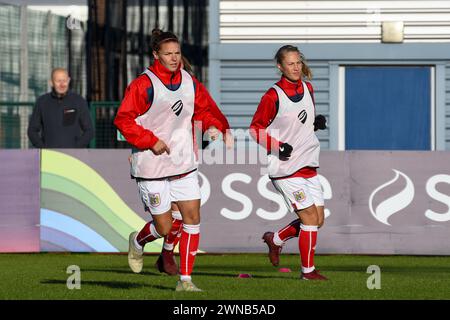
(177, 107)
(155, 199)
(302, 116)
(299, 195)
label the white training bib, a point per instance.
(169, 118)
(294, 124)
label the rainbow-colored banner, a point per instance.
(80, 211)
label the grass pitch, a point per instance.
(43, 276)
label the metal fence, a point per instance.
(14, 119)
(106, 134)
(15, 116)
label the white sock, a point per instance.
(185, 278)
(168, 246)
(154, 232)
(308, 270)
(277, 240)
(137, 245)
(191, 228)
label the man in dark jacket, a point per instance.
(60, 118)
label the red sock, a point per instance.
(190, 238)
(307, 244)
(290, 231)
(147, 234)
(178, 237)
(171, 240)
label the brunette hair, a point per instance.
(159, 37)
(187, 65)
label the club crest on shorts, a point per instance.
(299, 195)
(155, 199)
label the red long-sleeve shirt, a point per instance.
(138, 100)
(267, 111)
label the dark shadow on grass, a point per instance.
(123, 271)
(110, 284)
(227, 275)
(215, 274)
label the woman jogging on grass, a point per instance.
(156, 116)
(284, 123)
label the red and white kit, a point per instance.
(286, 115)
(170, 120)
(160, 104)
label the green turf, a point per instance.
(43, 276)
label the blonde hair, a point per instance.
(279, 57)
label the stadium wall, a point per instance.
(19, 201)
(84, 201)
